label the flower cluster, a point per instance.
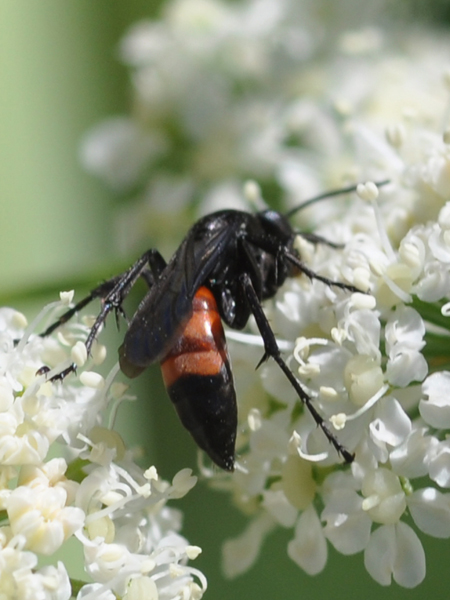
(93, 493)
(255, 89)
(261, 89)
(364, 359)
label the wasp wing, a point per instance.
(167, 306)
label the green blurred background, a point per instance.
(59, 76)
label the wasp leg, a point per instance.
(99, 292)
(313, 275)
(318, 239)
(112, 292)
(124, 283)
(272, 350)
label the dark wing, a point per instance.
(168, 304)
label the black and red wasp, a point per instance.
(229, 262)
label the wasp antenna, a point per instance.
(330, 194)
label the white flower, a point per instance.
(437, 461)
(395, 551)
(52, 473)
(384, 498)
(297, 482)
(118, 515)
(118, 151)
(347, 524)
(253, 89)
(20, 578)
(50, 583)
(279, 507)
(21, 443)
(435, 409)
(42, 517)
(430, 510)
(130, 533)
(308, 548)
(404, 340)
(408, 459)
(240, 553)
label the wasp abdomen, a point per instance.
(197, 374)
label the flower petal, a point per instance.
(430, 510)
(395, 550)
(436, 410)
(309, 549)
(240, 553)
(348, 526)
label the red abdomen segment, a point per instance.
(197, 375)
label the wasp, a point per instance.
(229, 262)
